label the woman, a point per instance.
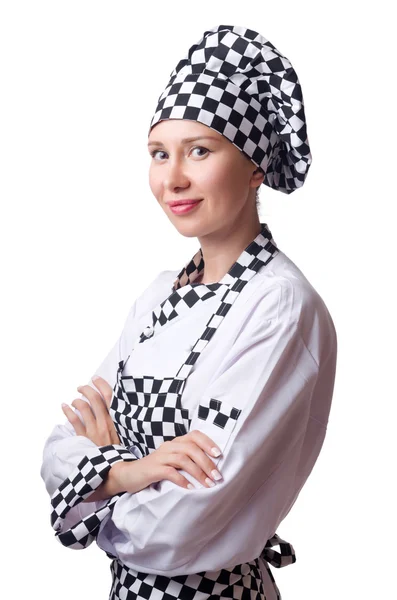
(206, 418)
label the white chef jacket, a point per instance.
(274, 358)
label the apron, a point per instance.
(148, 411)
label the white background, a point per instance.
(82, 236)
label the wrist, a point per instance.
(114, 482)
(129, 476)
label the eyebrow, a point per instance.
(187, 140)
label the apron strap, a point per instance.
(278, 559)
(233, 285)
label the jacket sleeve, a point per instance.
(74, 462)
(72, 465)
(257, 410)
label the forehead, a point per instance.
(181, 131)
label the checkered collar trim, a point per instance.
(193, 269)
(185, 293)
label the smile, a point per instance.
(184, 208)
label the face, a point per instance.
(210, 169)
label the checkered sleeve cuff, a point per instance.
(83, 480)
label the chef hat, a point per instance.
(236, 82)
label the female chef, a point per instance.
(203, 423)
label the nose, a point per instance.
(175, 175)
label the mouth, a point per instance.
(184, 206)
(183, 202)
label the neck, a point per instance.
(223, 247)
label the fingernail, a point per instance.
(79, 388)
(95, 377)
(209, 482)
(190, 486)
(216, 452)
(216, 475)
(63, 404)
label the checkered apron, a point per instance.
(148, 411)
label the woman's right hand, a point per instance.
(187, 452)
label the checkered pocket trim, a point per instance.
(219, 413)
(84, 479)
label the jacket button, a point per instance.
(148, 331)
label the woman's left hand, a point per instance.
(99, 426)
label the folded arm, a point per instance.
(257, 411)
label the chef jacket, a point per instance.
(273, 361)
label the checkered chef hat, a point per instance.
(236, 82)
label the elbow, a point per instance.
(168, 534)
(47, 474)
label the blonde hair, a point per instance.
(257, 199)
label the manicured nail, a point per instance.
(63, 404)
(95, 377)
(216, 451)
(216, 475)
(209, 482)
(190, 486)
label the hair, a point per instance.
(257, 199)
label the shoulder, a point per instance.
(158, 289)
(145, 300)
(285, 296)
(291, 290)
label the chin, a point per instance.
(188, 227)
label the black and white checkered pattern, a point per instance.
(242, 581)
(285, 557)
(146, 412)
(185, 299)
(217, 413)
(236, 82)
(257, 254)
(256, 250)
(84, 479)
(185, 293)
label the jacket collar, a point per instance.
(249, 256)
(184, 293)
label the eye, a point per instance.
(201, 148)
(153, 154)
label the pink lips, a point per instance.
(180, 209)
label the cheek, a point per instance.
(225, 179)
(154, 182)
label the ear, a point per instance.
(257, 177)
